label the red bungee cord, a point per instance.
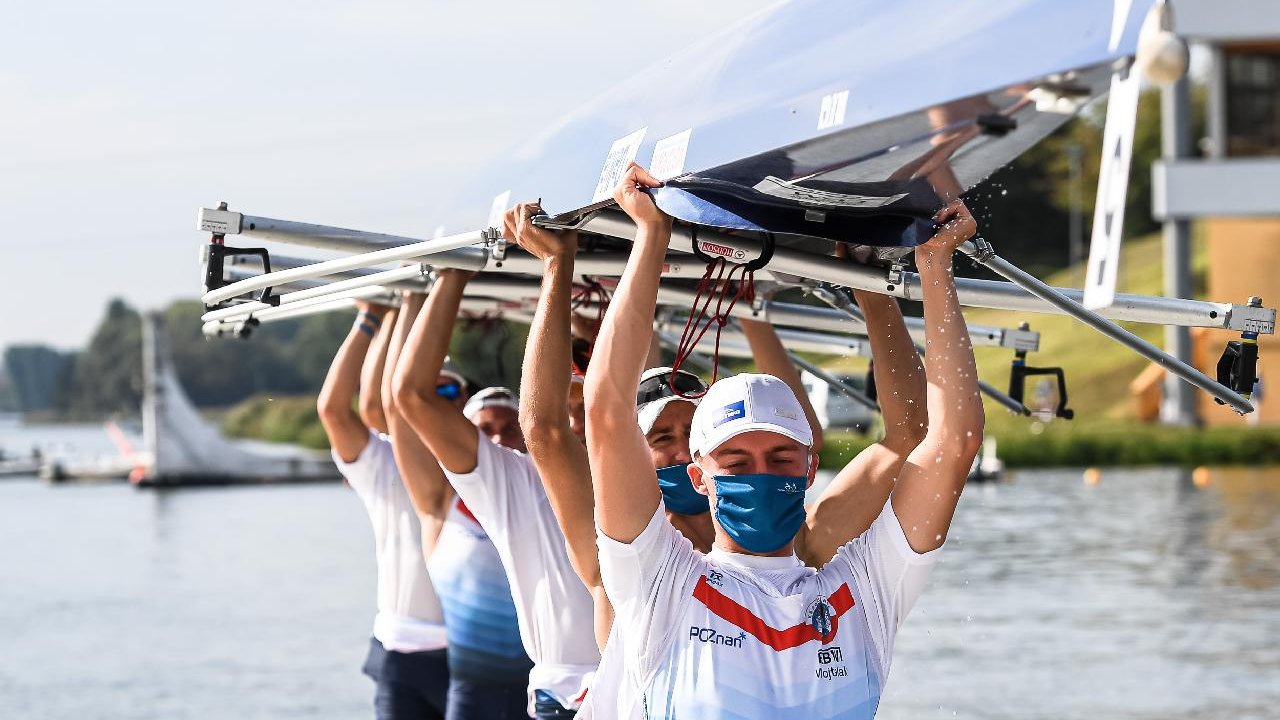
(720, 288)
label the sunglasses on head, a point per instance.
(449, 391)
(659, 386)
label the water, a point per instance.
(1142, 597)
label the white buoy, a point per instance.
(1162, 56)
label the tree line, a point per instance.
(284, 358)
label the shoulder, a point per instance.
(884, 545)
(376, 458)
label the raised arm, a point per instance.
(857, 494)
(771, 358)
(440, 423)
(428, 489)
(347, 432)
(929, 485)
(370, 403)
(626, 488)
(557, 452)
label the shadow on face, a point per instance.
(501, 425)
(754, 452)
(668, 439)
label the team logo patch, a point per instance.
(730, 412)
(713, 637)
(822, 618)
(828, 655)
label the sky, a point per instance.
(119, 120)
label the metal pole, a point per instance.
(842, 303)
(982, 253)
(971, 291)
(1179, 403)
(329, 267)
(835, 382)
(1075, 155)
(378, 278)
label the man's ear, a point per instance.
(813, 468)
(698, 478)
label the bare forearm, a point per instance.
(771, 358)
(544, 391)
(343, 379)
(626, 492)
(899, 374)
(929, 486)
(428, 340)
(954, 405)
(372, 410)
(409, 309)
(428, 489)
(347, 433)
(624, 339)
(557, 453)
(437, 422)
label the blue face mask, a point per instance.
(761, 512)
(678, 493)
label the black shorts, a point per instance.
(410, 685)
(470, 700)
(547, 707)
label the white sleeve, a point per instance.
(500, 491)
(890, 577)
(372, 470)
(648, 580)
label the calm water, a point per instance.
(1142, 597)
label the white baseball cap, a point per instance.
(450, 370)
(743, 403)
(491, 397)
(654, 393)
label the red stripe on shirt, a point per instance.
(729, 609)
(462, 508)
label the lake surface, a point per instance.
(1144, 596)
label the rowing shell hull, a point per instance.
(852, 92)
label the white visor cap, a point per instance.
(450, 370)
(647, 412)
(490, 397)
(743, 403)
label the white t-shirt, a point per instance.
(409, 615)
(741, 636)
(554, 608)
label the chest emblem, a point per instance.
(822, 618)
(726, 608)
